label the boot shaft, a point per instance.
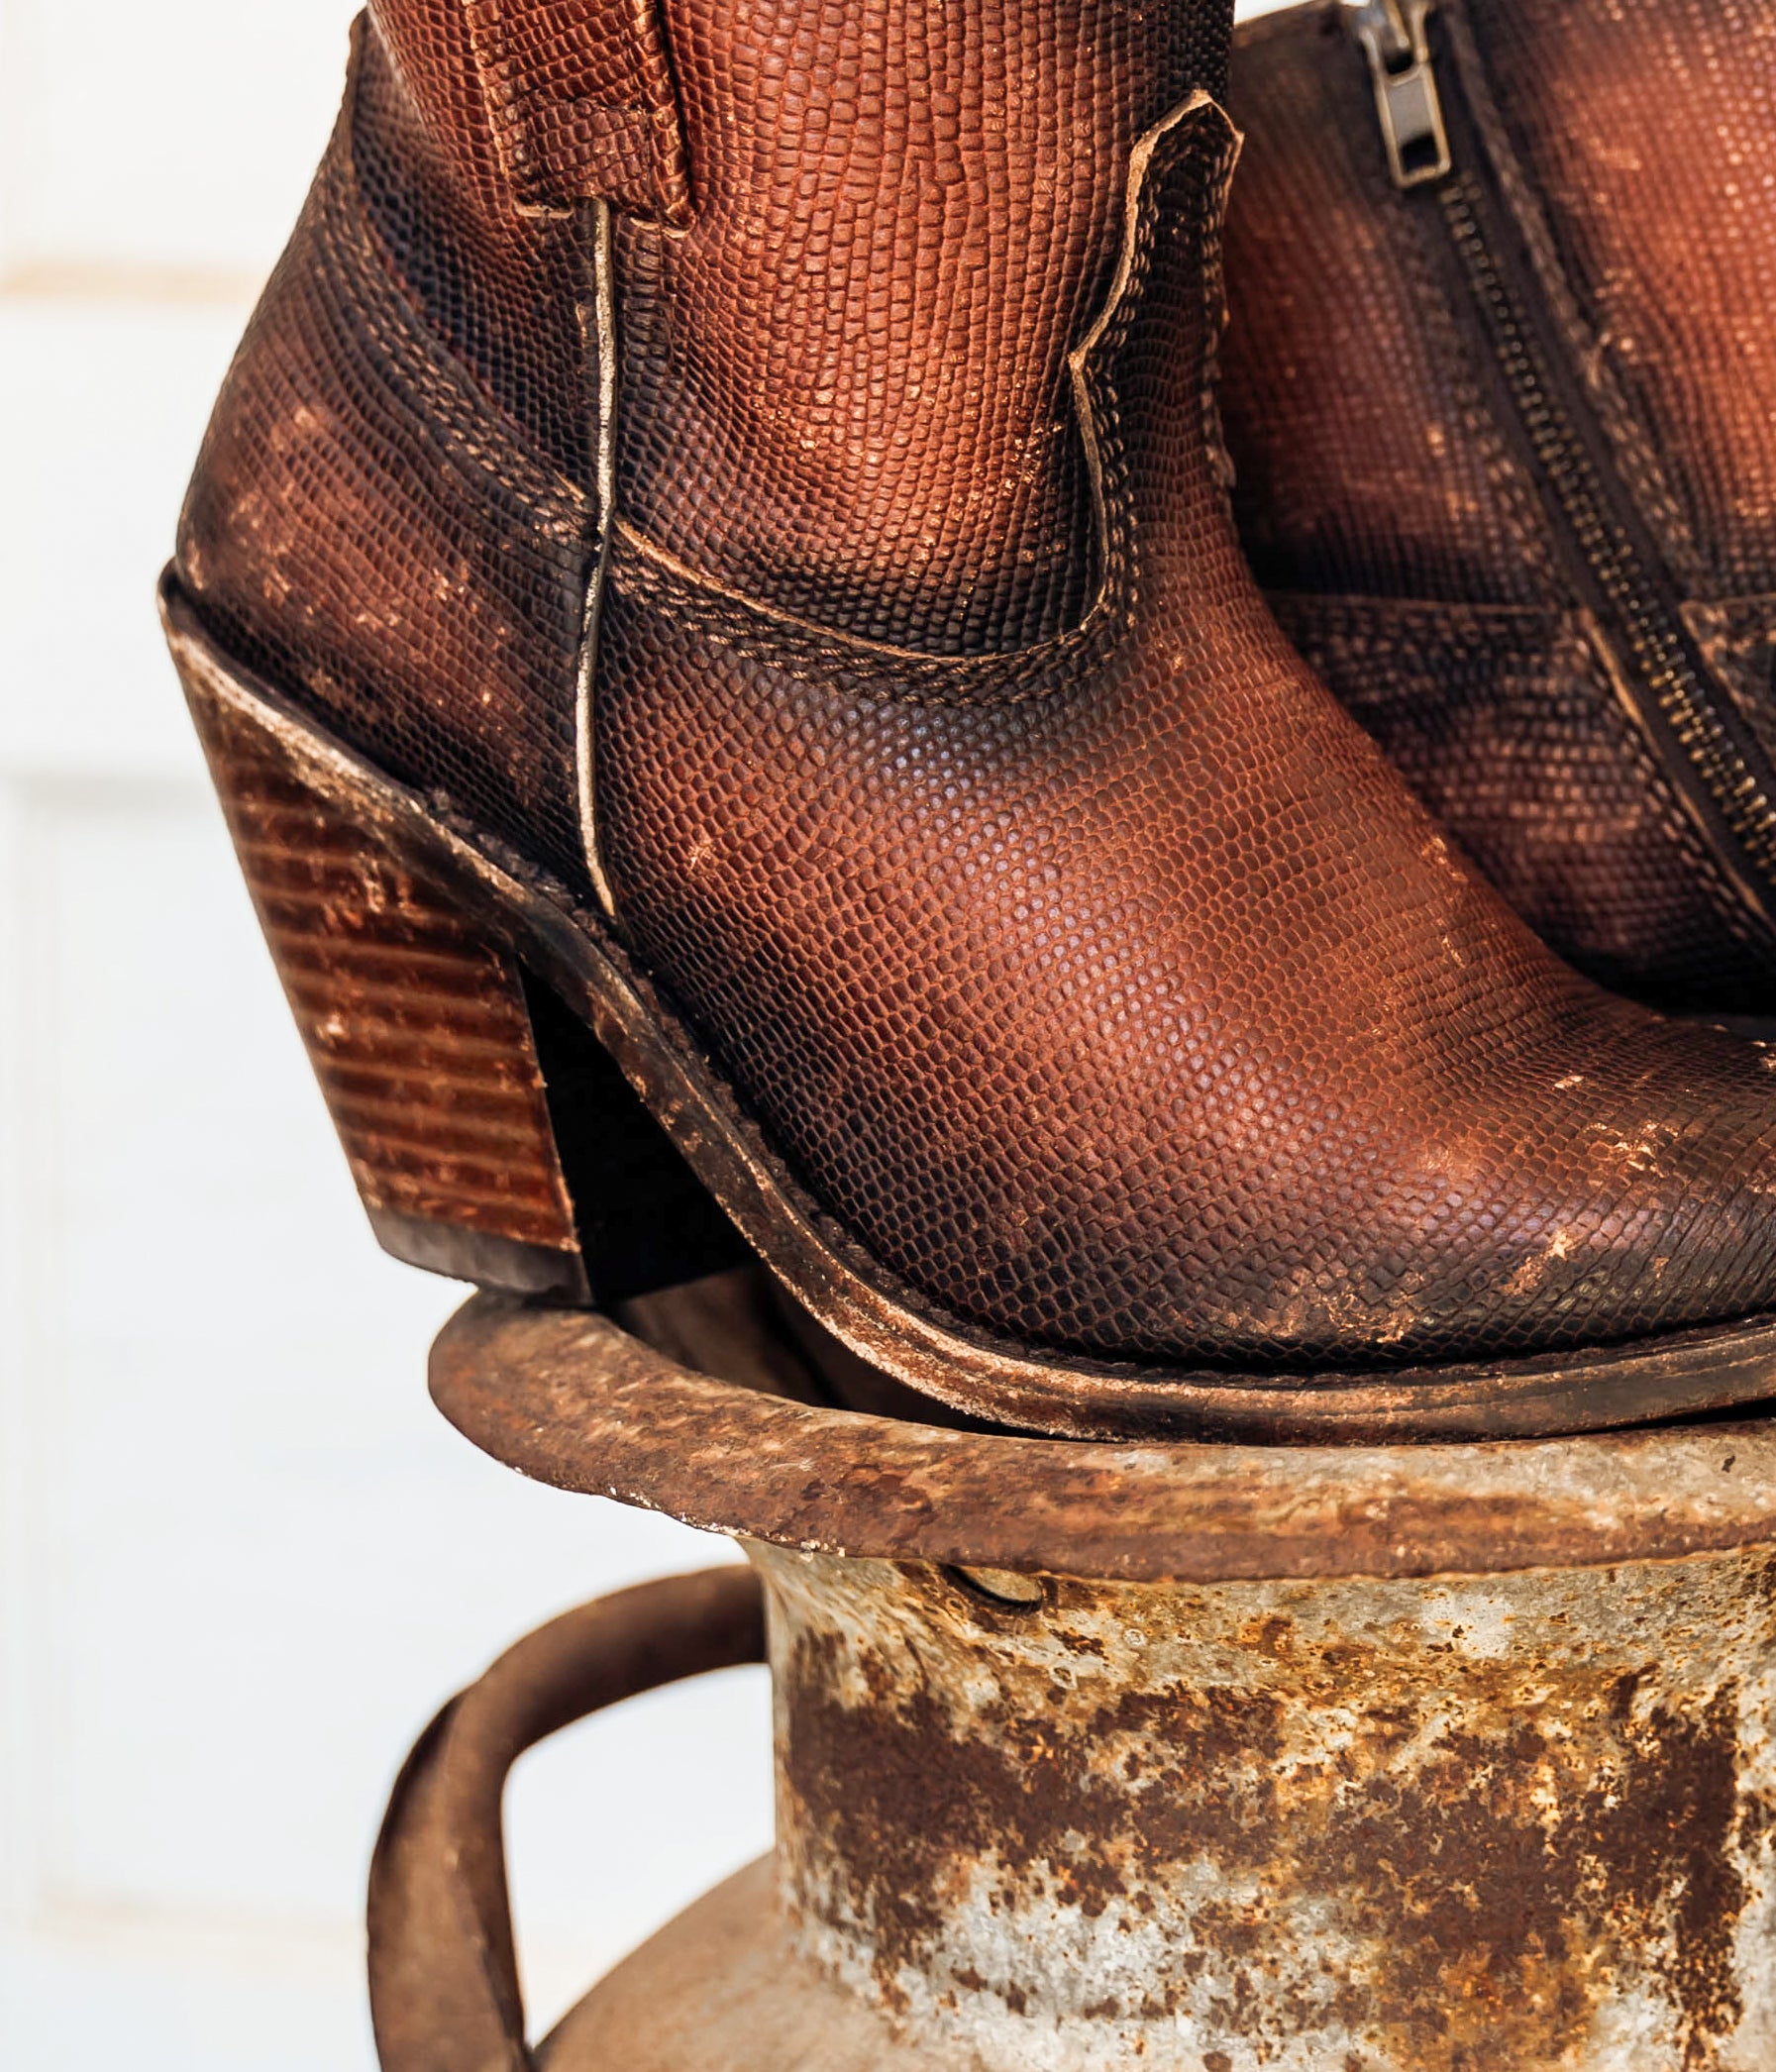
(1402, 493)
(853, 247)
(400, 503)
(842, 386)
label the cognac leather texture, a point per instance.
(1395, 510)
(1078, 952)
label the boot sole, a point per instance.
(404, 944)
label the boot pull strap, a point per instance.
(443, 1975)
(583, 105)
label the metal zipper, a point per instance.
(1395, 38)
(1702, 744)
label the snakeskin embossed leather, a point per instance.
(1084, 960)
(1394, 504)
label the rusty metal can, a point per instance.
(1362, 1759)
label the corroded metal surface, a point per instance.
(723, 1988)
(571, 1399)
(1511, 1821)
(1279, 1789)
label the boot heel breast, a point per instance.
(416, 1026)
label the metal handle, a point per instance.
(444, 1976)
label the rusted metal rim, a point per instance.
(570, 1398)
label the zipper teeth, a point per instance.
(1656, 651)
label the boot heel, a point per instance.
(417, 1028)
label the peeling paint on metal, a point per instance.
(1400, 1825)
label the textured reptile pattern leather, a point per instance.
(1355, 406)
(368, 530)
(545, 104)
(820, 408)
(582, 104)
(1502, 722)
(504, 296)
(1108, 986)
(1647, 131)
(1116, 994)
(1378, 479)
(1739, 637)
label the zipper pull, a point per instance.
(1407, 101)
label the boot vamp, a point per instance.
(1150, 1016)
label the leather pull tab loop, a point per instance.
(443, 1972)
(583, 105)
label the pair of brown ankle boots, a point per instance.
(713, 599)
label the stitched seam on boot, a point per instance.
(802, 651)
(466, 424)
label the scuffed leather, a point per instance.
(1118, 996)
(1376, 484)
(1647, 131)
(370, 530)
(1086, 962)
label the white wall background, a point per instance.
(240, 1558)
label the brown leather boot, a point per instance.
(1503, 409)
(727, 519)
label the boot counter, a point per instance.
(371, 533)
